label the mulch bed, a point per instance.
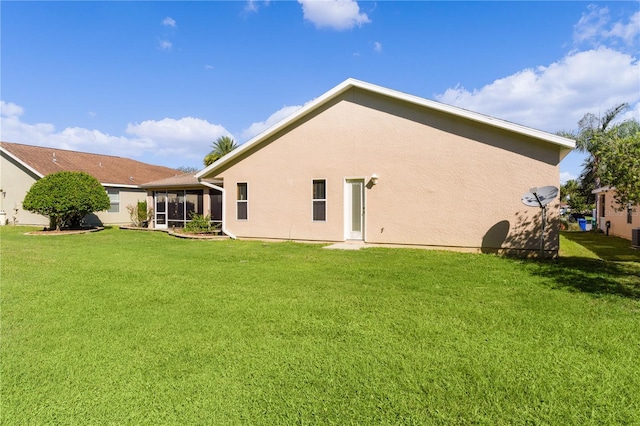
(65, 231)
(205, 236)
(181, 234)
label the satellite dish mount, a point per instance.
(540, 197)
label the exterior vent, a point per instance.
(635, 238)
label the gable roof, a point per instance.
(565, 145)
(107, 169)
(185, 179)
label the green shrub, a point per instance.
(199, 224)
(139, 214)
(65, 198)
(142, 212)
(574, 227)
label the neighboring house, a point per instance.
(366, 163)
(608, 211)
(22, 165)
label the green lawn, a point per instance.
(127, 327)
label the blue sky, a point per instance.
(160, 81)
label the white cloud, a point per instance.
(555, 97)
(565, 176)
(627, 32)
(165, 45)
(594, 28)
(209, 67)
(169, 141)
(169, 22)
(377, 47)
(189, 138)
(74, 138)
(170, 130)
(9, 109)
(335, 14)
(276, 117)
(252, 6)
(631, 113)
(12, 129)
(591, 24)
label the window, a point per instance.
(175, 205)
(320, 200)
(114, 200)
(241, 203)
(181, 206)
(602, 207)
(193, 204)
(629, 213)
(215, 205)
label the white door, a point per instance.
(354, 209)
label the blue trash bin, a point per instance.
(582, 223)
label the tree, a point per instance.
(65, 198)
(573, 193)
(619, 153)
(600, 137)
(188, 169)
(221, 147)
(591, 130)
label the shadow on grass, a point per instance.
(609, 248)
(616, 271)
(592, 275)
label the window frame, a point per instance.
(603, 200)
(114, 204)
(316, 201)
(240, 201)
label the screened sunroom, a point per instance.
(176, 200)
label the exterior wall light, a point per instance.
(374, 179)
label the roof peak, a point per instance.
(350, 83)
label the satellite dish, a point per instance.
(539, 197)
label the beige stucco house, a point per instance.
(366, 163)
(620, 220)
(22, 165)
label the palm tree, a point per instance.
(591, 131)
(221, 147)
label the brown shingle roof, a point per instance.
(186, 179)
(106, 168)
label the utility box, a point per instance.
(635, 238)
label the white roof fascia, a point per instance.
(120, 185)
(567, 144)
(22, 163)
(475, 116)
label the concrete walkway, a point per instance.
(347, 245)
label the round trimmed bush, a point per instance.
(65, 198)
